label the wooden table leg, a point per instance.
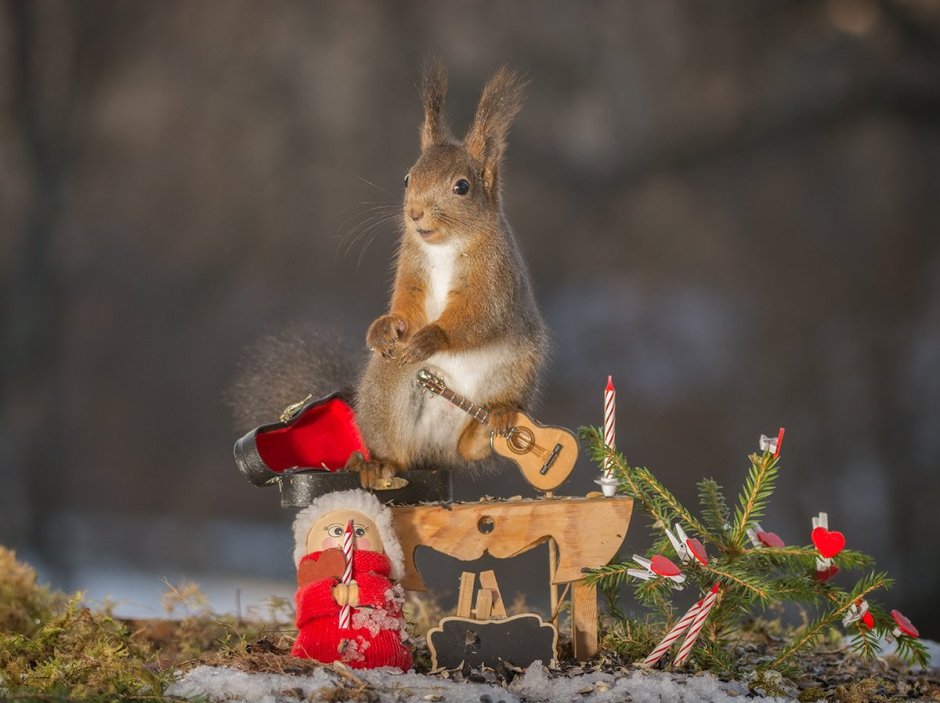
(584, 619)
(552, 568)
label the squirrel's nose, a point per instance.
(415, 213)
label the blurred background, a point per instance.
(730, 207)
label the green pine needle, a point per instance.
(806, 557)
(813, 631)
(669, 506)
(754, 497)
(715, 511)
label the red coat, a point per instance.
(377, 635)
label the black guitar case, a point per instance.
(305, 451)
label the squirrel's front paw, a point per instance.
(384, 334)
(375, 474)
(427, 341)
(501, 418)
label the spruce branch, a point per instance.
(812, 632)
(913, 651)
(670, 505)
(614, 574)
(908, 649)
(611, 593)
(752, 587)
(640, 484)
(657, 594)
(805, 556)
(754, 496)
(715, 512)
(864, 642)
(604, 455)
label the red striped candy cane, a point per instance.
(675, 633)
(345, 613)
(686, 648)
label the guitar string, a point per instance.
(475, 410)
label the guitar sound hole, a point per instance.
(486, 524)
(520, 440)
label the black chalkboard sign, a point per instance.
(519, 640)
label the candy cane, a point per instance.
(681, 626)
(345, 613)
(696, 626)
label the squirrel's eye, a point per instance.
(407, 178)
(335, 530)
(462, 187)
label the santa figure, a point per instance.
(376, 634)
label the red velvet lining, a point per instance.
(324, 435)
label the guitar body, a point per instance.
(545, 454)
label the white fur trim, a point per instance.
(360, 501)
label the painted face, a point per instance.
(327, 532)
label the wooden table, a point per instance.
(586, 531)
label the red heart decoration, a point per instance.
(770, 539)
(904, 625)
(697, 550)
(827, 574)
(867, 620)
(662, 566)
(828, 543)
(330, 563)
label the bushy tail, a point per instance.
(281, 369)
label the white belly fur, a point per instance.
(440, 270)
(477, 374)
(473, 374)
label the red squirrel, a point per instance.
(462, 302)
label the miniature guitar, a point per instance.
(545, 454)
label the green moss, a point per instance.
(52, 647)
(79, 654)
(23, 603)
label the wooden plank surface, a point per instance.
(588, 531)
(465, 594)
(584, 620)
(488, 581)
(484, 607)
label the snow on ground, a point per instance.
(217, 684)
(214, 684)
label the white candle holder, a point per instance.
(608, 485)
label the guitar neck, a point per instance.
(475, 411)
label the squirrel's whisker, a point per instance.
(362, 252)
(364, 228)
(369, 212)
(364, 180)
(374, 219)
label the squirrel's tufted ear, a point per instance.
(433, 91)
(486, 140)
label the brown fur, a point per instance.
(485, 334)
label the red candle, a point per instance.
(610, 421)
